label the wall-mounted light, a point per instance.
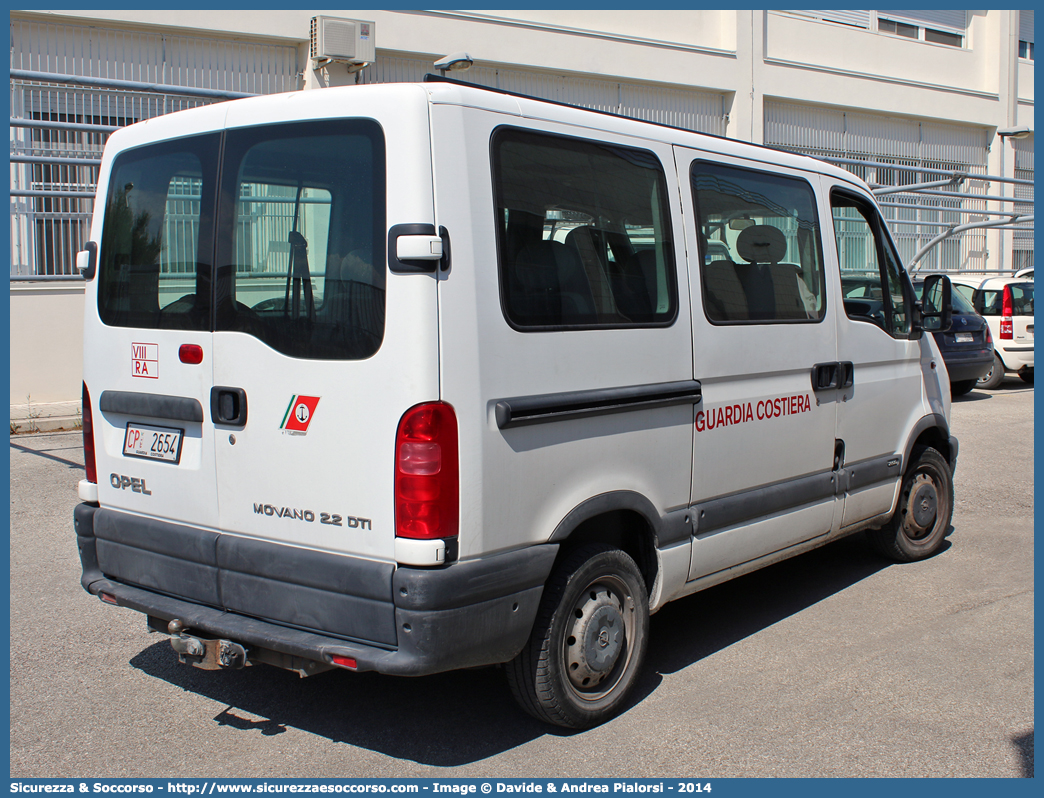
(1020, 132)
(455, 62)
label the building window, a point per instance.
(898, 28)
(922, 34)
(942, 37)
(937, 26)
(1026, 35)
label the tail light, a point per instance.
(989, 335)
(427, 482)
(1007, 311)
(88, 437)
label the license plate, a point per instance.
(153, 443)
(963, 338)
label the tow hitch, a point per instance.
(210, 655)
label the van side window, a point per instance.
(583, 233)
(305, 269)
(759, 241)
(872, 282)
(155, 270)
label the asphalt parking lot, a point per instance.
(835, 663)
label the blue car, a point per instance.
(967, 348)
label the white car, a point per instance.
(1007, 305)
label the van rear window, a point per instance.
(291, 252)
(157, 246)
(583, 233)
(302, 206)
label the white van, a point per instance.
(415, 377)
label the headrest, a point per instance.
(541, 264)
(762, 243)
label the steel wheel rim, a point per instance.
(597, 644)
(925, 504)
(922, 507)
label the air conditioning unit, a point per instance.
(343, 41)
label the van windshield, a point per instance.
(291, 251)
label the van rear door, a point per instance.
(148, 355)
(247, 324)
(318, 350)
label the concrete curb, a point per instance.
(45, 417)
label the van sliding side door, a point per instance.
(764, 352)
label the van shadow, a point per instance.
(1023, 744)
(468, 716)
(445, 720)
(681, 634)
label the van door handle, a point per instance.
(830, 376)
(414, 249)
(824, 376)
(228, 406)
(846, 370)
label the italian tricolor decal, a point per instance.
(299, 413)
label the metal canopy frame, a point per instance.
(1012, 220)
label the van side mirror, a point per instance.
(937, 304)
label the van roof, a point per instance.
(536, 107)
(446, 91)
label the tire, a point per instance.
(922, 519)
(588, 643)
(962, 387)
(1026, 376)
(994, 377)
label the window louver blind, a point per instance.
(956, 21)
(1025, 26)
(860, 19)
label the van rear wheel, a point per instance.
(588, 643)
(922, 519)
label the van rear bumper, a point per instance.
(470, 613)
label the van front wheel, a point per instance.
(922, 519)
(588, 643)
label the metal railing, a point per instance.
(60, 122)
(59, 126)
(74, 84)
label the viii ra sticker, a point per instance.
(299, 414)
(145, 361)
